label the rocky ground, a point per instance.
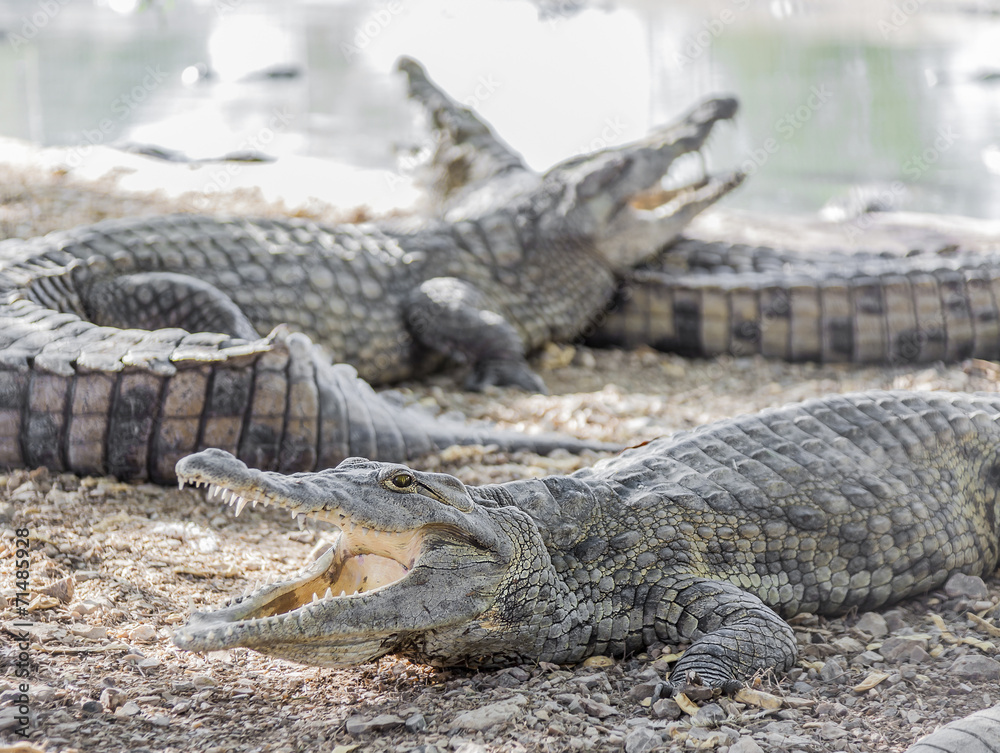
(114, 568)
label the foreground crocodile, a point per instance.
(708, 537)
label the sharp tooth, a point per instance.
(343, 593)
(294, 513)
(364, 531)
(315, 597)
(230, 632)
(302, 521)
(253, 502)
(328, 594)
(240, 504)
(180, 484)
(227, 496)
(351, 527)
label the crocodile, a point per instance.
(711, 538)
(394, 299)
(880, 287)
(938, 300)
(976, 733)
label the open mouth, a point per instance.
(359, 561)
(662, 201)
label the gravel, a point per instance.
(115, 567)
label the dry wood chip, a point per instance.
(758, 698)
(230, 571)
(43, 602)
(21, 747)
(598, 661)
(112, 521)
(947, 637)
(670, 658)
(985, 625)
(83, 649)
(687, 705)
(62, 589)
(873, 679)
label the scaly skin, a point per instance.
(708, 537)
(705, 299)
(706, 294)
(976, 733)
(486, 287)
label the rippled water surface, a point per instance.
(903, 97)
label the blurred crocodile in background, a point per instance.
(865, 287)
(127, 344)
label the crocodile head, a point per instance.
(418, 567)
(615, 199)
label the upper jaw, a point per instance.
(626, 180)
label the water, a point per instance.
(904, 96)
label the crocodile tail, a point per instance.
(861, 308)
(358, 422)
(976, 733)
(130, 403)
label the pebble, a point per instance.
(708, 715)
(92, 707)
(666, 708)
(416, 723)
(484, 717)
(595, 708)
(142, 634)
(873, 624)
(745, 744)
(848, 645)
(130, 708)
(904, 649)
(834, 670)
(358, 725)
(112, 698)
(641, 740)
(90, 632)
(968, 586)
(975, 667)
(8, 718)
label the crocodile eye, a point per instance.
(402, 480)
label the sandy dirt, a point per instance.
(115, 567)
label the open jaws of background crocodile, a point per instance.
(395, 569)
(616, 196)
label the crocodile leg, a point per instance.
(734, 634)
(455, 317)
